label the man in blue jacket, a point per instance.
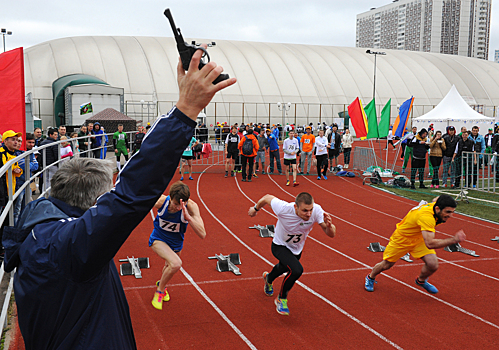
(273, 152)
(67, 289)
(100, 140)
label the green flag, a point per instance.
(86, 108)
(384, 123)
(372, 120)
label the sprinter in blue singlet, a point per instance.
(174, 213)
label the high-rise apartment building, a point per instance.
(456, 27)
(496, 56)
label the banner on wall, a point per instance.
(12, 100)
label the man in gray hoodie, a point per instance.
(260, 155)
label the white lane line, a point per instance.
(396, 198)
(239, 279)
(439, 258)
(384, 274)
(217, 309)
(353, 318)
(393, 216)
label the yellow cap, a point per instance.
(11, 133)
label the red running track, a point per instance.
(329, 307)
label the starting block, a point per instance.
(227, 262)
(133, 266)
(265, 231)
(457, 248)
(495, 239)
(376, 248)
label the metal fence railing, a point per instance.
(479, 171)
(14, 194)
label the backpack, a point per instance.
(401, 181)
(248, 147)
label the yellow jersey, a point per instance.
(420, 218)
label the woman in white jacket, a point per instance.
(347, 141)
(321, 155)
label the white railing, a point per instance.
(13, 194)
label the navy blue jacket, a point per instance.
(68, 291)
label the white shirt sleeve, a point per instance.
(318, 214)
(277, 205)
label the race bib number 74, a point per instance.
(169, 226)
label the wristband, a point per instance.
(256, 208)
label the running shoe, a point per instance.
(249, 180)
(431, 186)
(182, 178)
(369, 284)
(308, 173)
(295, 183)
(263, 172)
(157, 301)
(282, 306)
(232, 174)
(243, 180)
(166, 297)
(430, 288)
(255, 176)
(474, 186)
(226, 174)
(325, 177)
(288, 182)
(190, 178)
(267, 288)
(436, 186)
(318, 177)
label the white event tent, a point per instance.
(453, 111)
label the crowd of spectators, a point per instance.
(323, 155)
(459, 155)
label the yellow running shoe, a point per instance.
(157, 301)
(166, 297)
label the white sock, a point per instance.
(118, 164)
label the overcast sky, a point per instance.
(324, 22)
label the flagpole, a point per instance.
(375, 53)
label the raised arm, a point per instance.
(193, 217)
(260, 204)
(98, 235)
(327, 226)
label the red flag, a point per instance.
(358, 118)
(12, 102)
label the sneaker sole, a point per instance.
(277, 309)
(159, 307)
